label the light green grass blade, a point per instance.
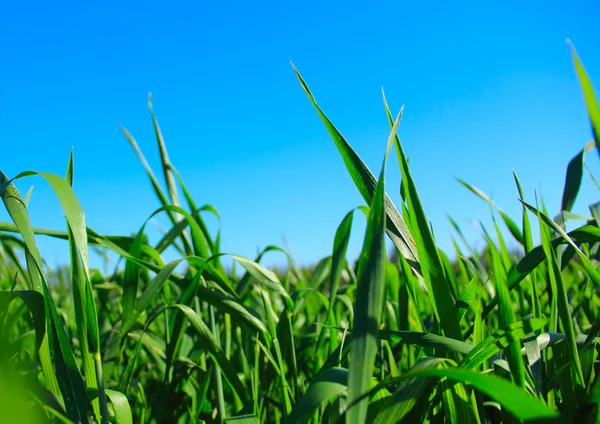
(589, 267)
(510, 224)
(18, 213)
(242, 419)
(563, 306)
(368, 303)
(70, 381)
(266, 278)
(120, 404)
(589, 96)
(338, 262)
(432, 268)
(155, 184)
(500, 340)
(506, 316)
(131, 277)
(164, 158)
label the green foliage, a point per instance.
(415, 336)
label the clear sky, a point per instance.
(487, 89)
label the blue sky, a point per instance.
(487, 89)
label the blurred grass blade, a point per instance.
(18, 213)
(35, 303)
(589, 96)
(242, 419)
(573, 178)
(120, 404)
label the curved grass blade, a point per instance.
(573, 178)
(331, 382)
(510, 224)
(18, 213)
(432, 268)
(500, 340)
(510, 397)
(409, 393)
(589, 96)
(564, 310)
(120, 405)
(366, 184)
(266, 278)
(426, 340)
(35, 303)
(589, 267)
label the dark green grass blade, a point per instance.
(432, 268)
(589, 96)
(409, 393)
(366, 183)
(429, 340)
(564, 310)
(368, 303)
(573, 178)
(329, 383)
(18, 213)
(213, 347)
(338, 261)
(131, 277)
(35, 303)
(70, 381)
(509, 396)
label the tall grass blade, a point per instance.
(368, 303)
(366, 183)
(589, 96)
(432, 268)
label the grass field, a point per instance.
(496, 335)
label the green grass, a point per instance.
(506, 334)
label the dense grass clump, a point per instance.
(494, 336)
